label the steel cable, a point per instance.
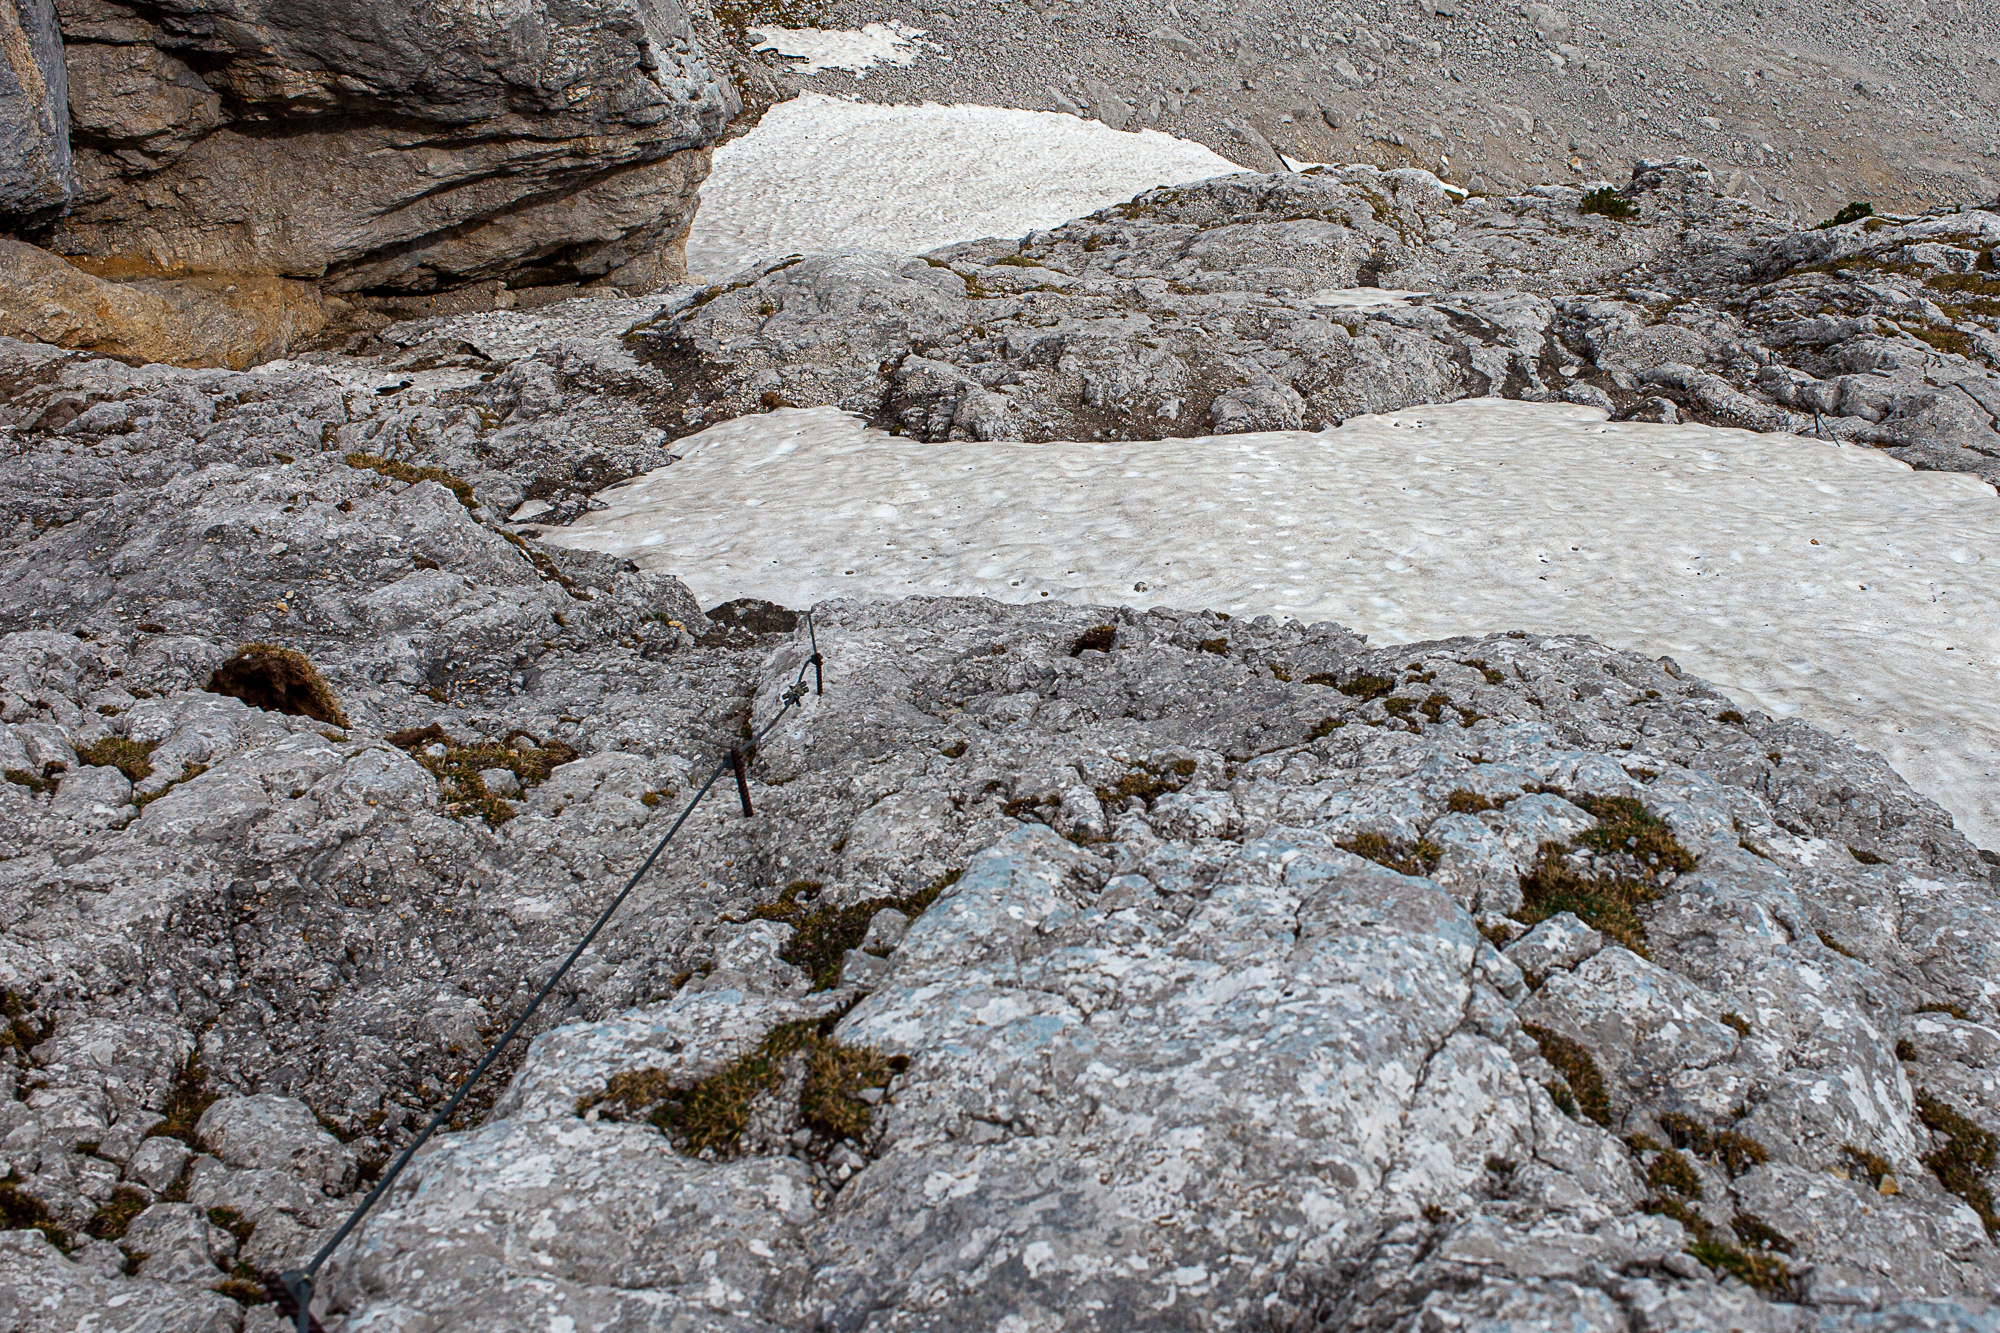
(297, 1284)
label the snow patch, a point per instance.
(820, 173)
(1826, 581)
(1362, 298)
(855, 52)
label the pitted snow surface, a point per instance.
(819, 173)
(854, 52)
(1812, 579)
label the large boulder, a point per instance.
(369, 148)
(34, 130)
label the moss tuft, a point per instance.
(404, 472)
(1737, 1021)
(1870, 1166)
(710, 1115)
(1864, 856)
(128, 757)
(116, 1213)
(1947, 1008)
(1149, 782)
(24, 1212)
(1758, 1234)
(191, 1097)
(1098, 638)
(1583, 1079)
(1963, 1159)
(458, 769)
(1607, 202)
(245, 1286)
(278, 680)
(821, 936)
(189, 772)
(1764, 1272)
(1399, 854)
(18, 1031)
(1364, 688)
(39, 783)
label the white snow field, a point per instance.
(819, 173)
(1826, 581)
(854, 52)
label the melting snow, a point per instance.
(1362, 298)
(1805, 578)
(822, 49)
(818, 173)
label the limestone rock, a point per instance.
(269, 1131)
(35, 175)
(191, 321)
(366, 148)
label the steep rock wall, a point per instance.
(373, 147)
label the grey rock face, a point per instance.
(276, 1133)
(1237, 305)
(1265, 1077)
(35, 178)
(374, 148)
(1174, 976)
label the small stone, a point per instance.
(1656, 409)
(157, 1163)
(500, 781)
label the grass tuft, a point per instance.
(128, 757)
(710, 1115)
(1399, 854)
(1964, 1158)
(1607, 202)
(278, 680)
(1854, 212)
(821, 936)
(1583, 1081)
(1608, 903)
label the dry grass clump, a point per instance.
(278, 680)
(459, 767)
(709, 1115)
(821, 936)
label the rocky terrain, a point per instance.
(214, 188)
(1800, 105)
(1244, 303)
(1080, 967)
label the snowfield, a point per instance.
(851, 52)
(819, 173)
(1825, 581)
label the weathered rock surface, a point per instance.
(223, 321)
(1179, 1049)
(1198, 972)
(34, 125)
(1239, 304)
(381, 148)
